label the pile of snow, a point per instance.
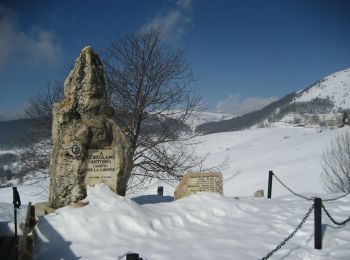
(336, 87)
(202, 226)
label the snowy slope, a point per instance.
(336, 87)
(320, 104)
(294, 154)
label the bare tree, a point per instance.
(36, 144)
(336, 164)
(150, 88)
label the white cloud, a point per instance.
(233, 104)
(35, 46)
(174, 21)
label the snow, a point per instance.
(204, 225)
(7, 227)
(336, 87)
(293, 153)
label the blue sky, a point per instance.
(244, 53)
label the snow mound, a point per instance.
(202, 226)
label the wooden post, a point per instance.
(318, 222)
(269, 187)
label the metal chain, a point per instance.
(332, 219)
(337, 198)
(290, 190)
(306, 198)
(291, 234)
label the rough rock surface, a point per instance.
(82, 122)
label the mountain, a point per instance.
(13, 131)
(335, 87)
(322, 103)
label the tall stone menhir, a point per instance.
(88, 146)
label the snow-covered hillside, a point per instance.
(293, 153)
(321, 104)
(335, 87)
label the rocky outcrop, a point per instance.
(88, 146)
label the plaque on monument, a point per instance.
(192, 183)
(100, 167)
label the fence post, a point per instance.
(160, 191)
(16, 205)
(132, 256)
(318, 222)
(269, 187)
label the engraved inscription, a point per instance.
(100, 167)
(204, 184)
(199, 182)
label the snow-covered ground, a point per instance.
(206, 226)
(294, 154)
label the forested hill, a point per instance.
(245, 121)
(13, 132)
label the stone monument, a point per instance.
(88, 146)
(194, 182)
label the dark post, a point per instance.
(16, 205)
(269, 187)
(160, 191)
(318, 222)
(132, 256)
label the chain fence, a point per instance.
(337, 198)
(332, 219)
(290, 190)
(284, 241)
(304, 197)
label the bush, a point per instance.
(336, 164)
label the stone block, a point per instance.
(194, 182)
